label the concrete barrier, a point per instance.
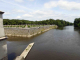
(3, 38)
(25, 52)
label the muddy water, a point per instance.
(55, 44)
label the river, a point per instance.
(55, 44)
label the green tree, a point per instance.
(77, 22)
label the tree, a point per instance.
(77, 22)
(58, 22)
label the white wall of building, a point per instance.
(1, 26)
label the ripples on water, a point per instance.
(55, 44)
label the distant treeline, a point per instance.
(77, 22)
(58, 22)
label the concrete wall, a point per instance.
(25, 52)
(1, 26)
(28, 32)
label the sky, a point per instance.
(37, 10)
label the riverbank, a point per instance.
(27, 32)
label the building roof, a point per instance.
(1, 12)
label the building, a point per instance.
(1, 25)
(3, 45)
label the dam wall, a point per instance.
(27, 32)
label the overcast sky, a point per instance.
(41, 9)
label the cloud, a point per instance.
(7, 17)
(50, 4)
(16, 5)
(42, 12)
(69, 5)
(30, 0)
(63, 4)
(38, 14)
(19, 1)
(7, 13)
(27, 15)
(19, 11)
(46, 14)
(18, 17)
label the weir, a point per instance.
(27, 32)
(25, 52)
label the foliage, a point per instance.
(77, 22)
(28, 26)
(58, 22)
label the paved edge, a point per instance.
(25, 52)
(3, 38)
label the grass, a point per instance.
(29, 26)
(26, 49)
(17, 26)
(23, 26)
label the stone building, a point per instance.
(1, 25)
(3, 45)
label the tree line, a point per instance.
(58, 22)
(77, 22)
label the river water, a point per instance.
(55, 44)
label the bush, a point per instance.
(28, 26)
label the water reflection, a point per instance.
(77, 29)
(11, 56)
(3, 49)
(60, 28)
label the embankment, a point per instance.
(27, 32)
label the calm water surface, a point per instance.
(55, 44)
